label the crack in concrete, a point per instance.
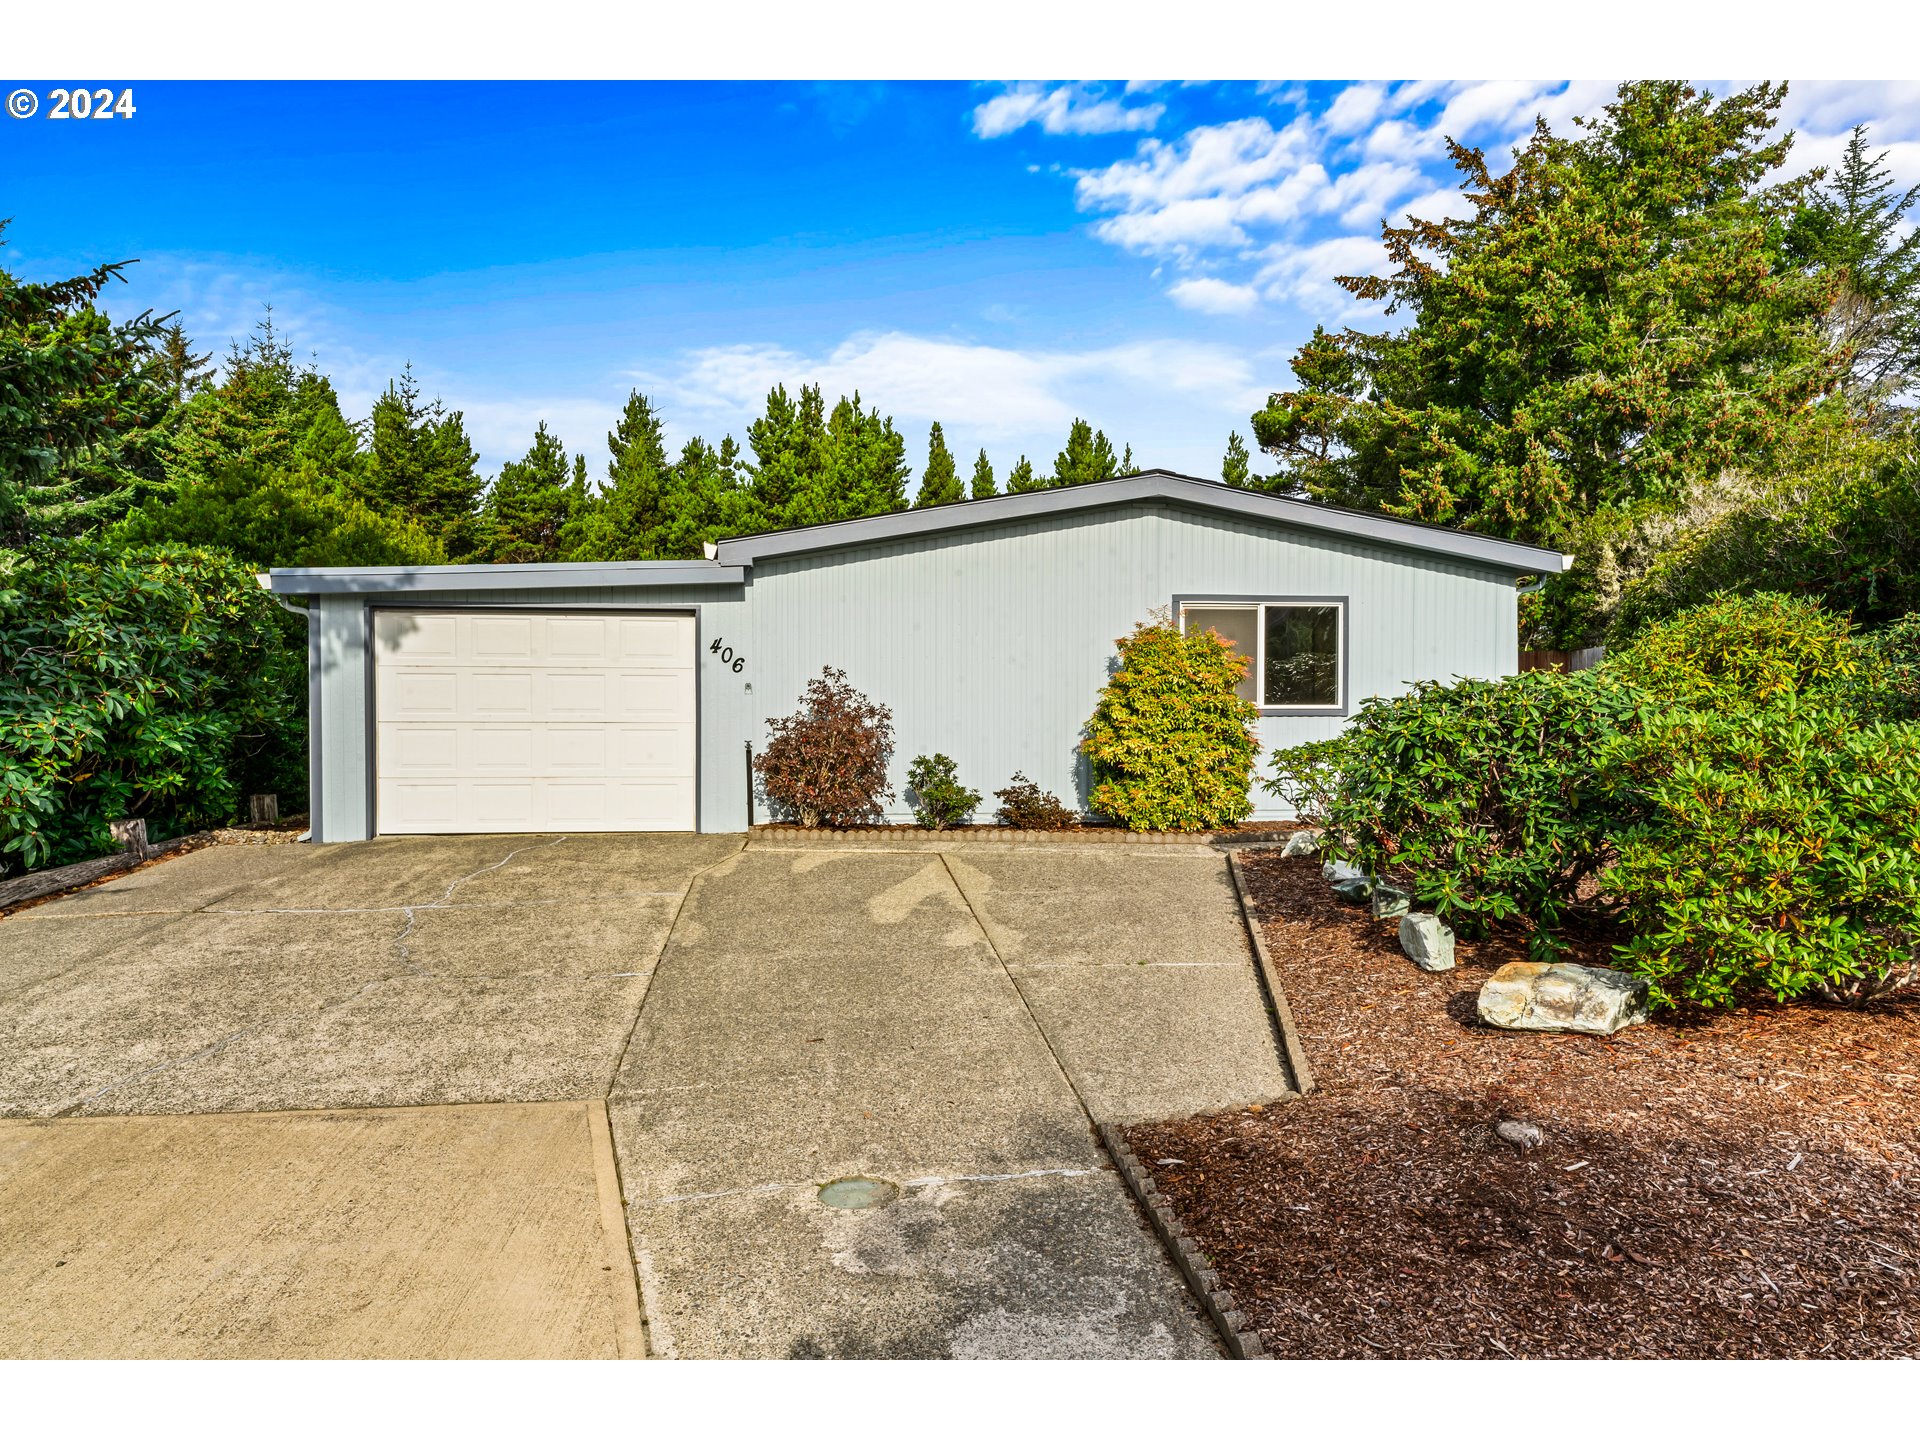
(774, 1187)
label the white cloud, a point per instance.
(1353, 109)
(1211, 296)
(1208, 160)
(1303, 275)
(1063, 110)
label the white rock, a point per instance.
(1301, 842)
(1587, 999)
(1336, 872)
(1428, 943)
(1520, 1134)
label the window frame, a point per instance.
(1259, 603)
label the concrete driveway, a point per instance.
(355, 1100)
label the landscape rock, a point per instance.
(1585, 999)
(1387, 901)
(1521, 1134)
(1355, 890)
(1428, 943)
(1336, 872)
(1301, 842)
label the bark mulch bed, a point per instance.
(1736, 1185)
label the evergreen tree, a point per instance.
(1088, 457)
(421, 462)
(1126, 463)
(789, 445)
(625, 523)
(1856, 228)
(525, 514)
(983, 477)
(1234, 468)
(1615, 320)
(180, 372)
(1021, 477)
(707, 500)
(866, 467)
(940, 485)
(78, 398)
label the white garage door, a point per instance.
(538, 721)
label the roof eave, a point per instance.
(431, 579)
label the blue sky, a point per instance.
(997, 257)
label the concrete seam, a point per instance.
(1292, 1050)
(1110, 1141)
(1241, 1340)
(639, 1262)
(630, 1322)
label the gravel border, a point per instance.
(1236, 1331)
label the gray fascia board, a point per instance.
(1150, 485)
(427, 579)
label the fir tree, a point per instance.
(525, 514)
(1234, 469)
(1856, 228)
(180, 372)
(1021, 478)
(421, 462)
(1088, 457)
(626, 522)
(940, 485)
(983, 477)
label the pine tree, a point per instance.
(706, 500)
(1088, 457)
(983, 486)
(1126, 463)
(625, 522)
(789, 445)
(525, 514)
(1021, 478)
(1852, 227)
(421, 462)
(1234, 469)
(940, 485)
(866, 466)
(182, 373)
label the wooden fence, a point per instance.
(1562, 659)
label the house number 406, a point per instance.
(733, 662)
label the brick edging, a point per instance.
(1299, 1068)
(1236, 1333)
(978, 835)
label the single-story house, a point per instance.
(482, 698)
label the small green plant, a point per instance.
(1025, 806)
(827, 763)
(939, 799)
(1171, 742)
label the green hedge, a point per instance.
(159, 683)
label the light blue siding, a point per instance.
(989, 644)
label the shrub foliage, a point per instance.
(827, 763)
(1776, 850)
(1485, 790)
(1741, 786)
(1025, 806)
(939, 799)
(1171, 741)
(154, 683)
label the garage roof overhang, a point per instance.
(1150, 485)
(427, 579)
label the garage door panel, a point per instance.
(542, 721)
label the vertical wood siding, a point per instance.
(990, 645)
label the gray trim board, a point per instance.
(1149, 485)
(422, 579)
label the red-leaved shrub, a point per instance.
(827, 763)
